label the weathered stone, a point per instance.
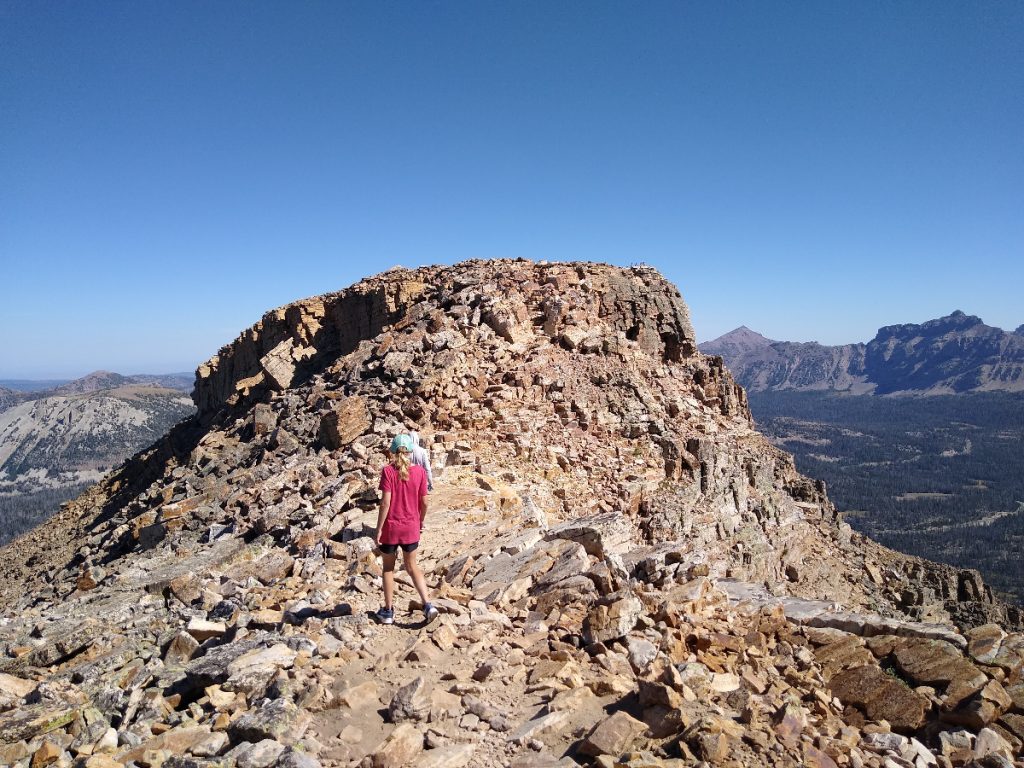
(252, 671)
(934, 662)
(279, 719)
(444, 706)
(212, 667)
(815, 758)
(410, 702)
(15, 687)
(203, 630)
(663, 721)
(14, 752)
(262, 754)
(485, 670)
(175, 741)
(881, 697)
(272, 566)
(641, 653)
(789, 722)
(454, 756)
(984, 642)
(89, 578)
(364, 696)
(263, 419)
(346, 420)
(846, 652)
(181, 649)
(613, 735)
(990, 743)
(293, 759)
(187, 588)
(211, 745)
(612, 618)
(1014, 723)
(400, 748)
(983, 708)
(538, 726)
(599, 535)
(27, 722)
(279, 364)
(99, 761)
(47, 753)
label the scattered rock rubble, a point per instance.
(628, 574)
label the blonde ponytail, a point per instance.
(401, 463)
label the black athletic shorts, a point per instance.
(390, 549)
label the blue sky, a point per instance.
(170, 171)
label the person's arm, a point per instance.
(423, 511)
(382, 515)
(430, 474)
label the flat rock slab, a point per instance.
(613, 735)
(16, 687)
(880, 697)
(534, 562)
(400, 748)
(263, 754)
(935, 662)
(827, 614)
(178, 741)
(33, 720)
(456, 756)
(599, 535)
(213, 667)
(279, 720)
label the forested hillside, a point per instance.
(941, 477)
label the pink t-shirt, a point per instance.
(402, 525)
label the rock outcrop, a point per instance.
(628, 573)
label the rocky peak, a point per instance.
(607, 534)
(92, 382)
(956, 321)
(737, 342)
(581, 304)
(956, 353)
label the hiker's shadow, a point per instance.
(406, 623)
(338, 611)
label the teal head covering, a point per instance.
(401, 443)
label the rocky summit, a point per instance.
(628, 573)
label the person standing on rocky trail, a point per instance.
(403, 508)
(421, 458)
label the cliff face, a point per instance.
(952, 354)
(608, 532)
(957, 353)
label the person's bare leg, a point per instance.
(389, 578)
(417, 575)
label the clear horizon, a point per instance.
(813, 172)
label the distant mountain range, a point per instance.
(953, 354)
(94, 381)
(53, 441)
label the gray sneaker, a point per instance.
(430, 613)
(385, 616)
